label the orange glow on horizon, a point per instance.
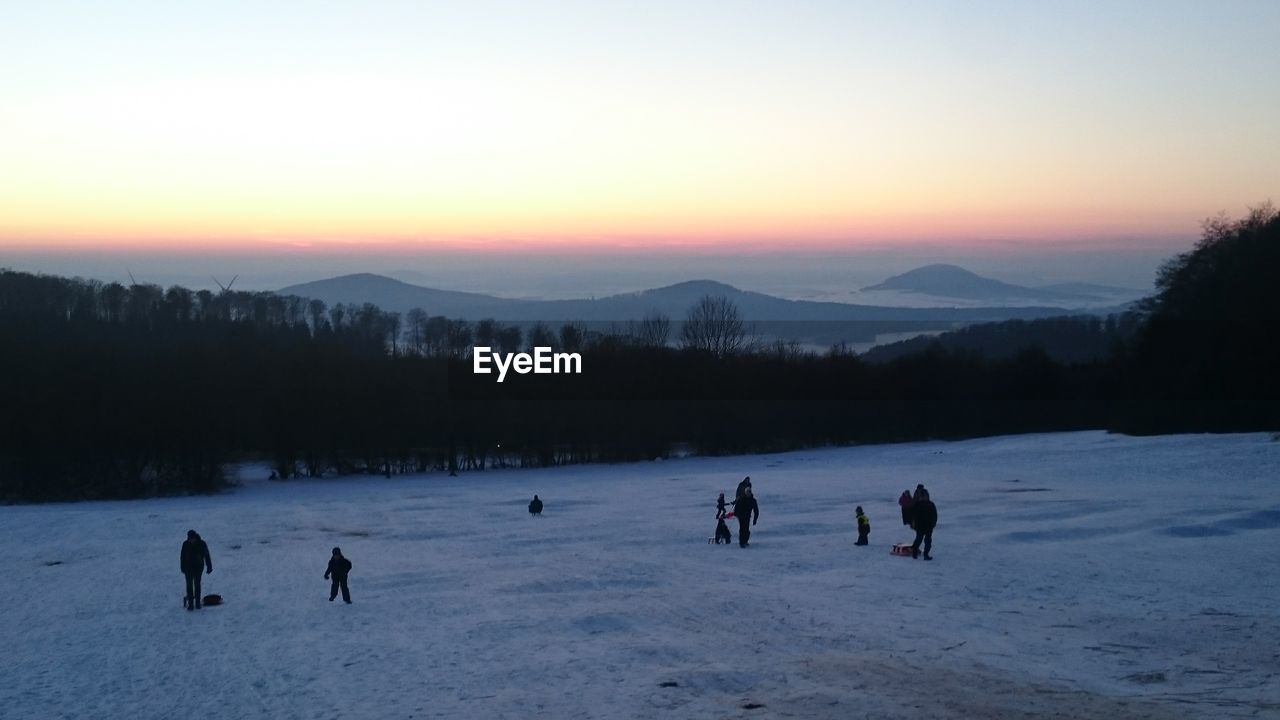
(868, 126)
(764, 234)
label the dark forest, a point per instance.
(112, 391)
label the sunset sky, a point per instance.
(595, 125)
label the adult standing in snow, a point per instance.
(744, 509)
(338, 568)
(535, 506)
(743, 487)
(924, 516)
(904, 503)
(194, 560)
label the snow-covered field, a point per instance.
(1076, 575)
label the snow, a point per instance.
(1076, 575)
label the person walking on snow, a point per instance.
(904, 502)
(744, 509)
(339, 566)
(194, 560)
(535, 506)
(924, 517)
(743, 487)
(720, 507)
(864, 526)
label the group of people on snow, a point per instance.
(196, 561)
(745, 509)
(918, 512)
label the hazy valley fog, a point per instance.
(832, 278)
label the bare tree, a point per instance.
(415, 331)
(572, 337)
(392, 323)
(316, 309)
(714, 325)
(509, 338)
(458, 339)
(540, 336)
(180, 302)
(486, 332)
(653, 331)
(337, 314)
(436, 335)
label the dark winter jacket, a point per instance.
(338, 568)
(924, 515)
(744, 507)
(742, 489)
(535, 506)
(195, 557)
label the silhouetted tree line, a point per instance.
(115, 391)
(1208, 356)
(1069, 339)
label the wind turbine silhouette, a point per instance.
(225, 288)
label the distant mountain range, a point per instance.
(672, 300)
(951, 281)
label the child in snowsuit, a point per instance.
(864, 526)
(722, 532)
(339, 566)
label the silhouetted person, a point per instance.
(339, 566)
(744, 508)
(864, 526)
(904, 503)
(924, 516)
(194, 561)
(720, 507)
(743, 487)
(535, 506)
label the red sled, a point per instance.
(728, 515)
(901, 549)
